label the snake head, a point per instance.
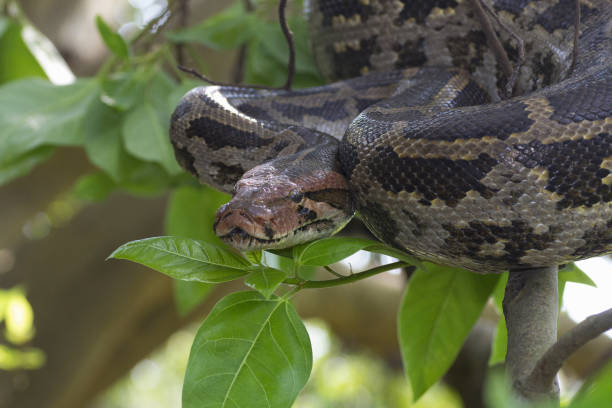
(275, 206)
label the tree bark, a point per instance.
(531, 305)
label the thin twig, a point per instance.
(345, 279)
(492, 38)
(520, 45)
(183, 12)
(282, 5)
(198, 75)
(576, 35)
(550, 363)
(330, 270)
(238, 74)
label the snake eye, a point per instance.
(296, 196)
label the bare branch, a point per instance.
(198, 75)
(282, 5)
(492, 39)
(520, 45)
(183, 13)
(550, 363)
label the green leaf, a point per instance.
(145, 132)
(225, 30)
(329, 250)
(500, 339)
(438, 310)
(249, 352)
(102, 132)
(191, 213)
(123, 90)
(93, 187)
(36, 113)
(115, 43)
(16, 59)
(185, 259)
(189, 295)
(22, 165)
(571, 273)
(265, 280)
(595, 393)
(381, 248)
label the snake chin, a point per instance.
(243, 241)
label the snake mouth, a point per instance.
(242, 240)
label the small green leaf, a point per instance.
(16, 59)
(93, 187)
(191, 214)
(145, 132)
(36, 113)
(22, 165)
(123, 90)
(595, 393)
(115, 43)
(225, 30)
(102, 133)
(249, 352)
(500, 339)
(571, 273)
(438, 310)
(329, 250)
(185, 259)
(188, 295)
(265, 280)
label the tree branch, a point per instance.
(345, 279)
(550, 363)
(282, 5)
(531, 304)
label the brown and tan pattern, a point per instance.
(423, 148)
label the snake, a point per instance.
(418, 138)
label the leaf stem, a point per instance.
(345, 279)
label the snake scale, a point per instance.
(420, 141)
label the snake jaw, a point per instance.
(270, 210)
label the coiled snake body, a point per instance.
(424, 147)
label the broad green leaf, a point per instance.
(16, 60)
(188, 295)
(185, 259)
(190, 213)
(115, 43)
(35, 113)
(329, 250)
(438, 309)
(102, 132)
(500, 339)
(225, 30)
(265, 280)
(144, 178)
(595, 393)
(123, 90)
(249, 352)
(22, 165)
(272, 260)
(145, 132)
(93, 187)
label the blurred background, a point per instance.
(79, 331)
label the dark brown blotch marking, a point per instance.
(576, 176)
(444, 179)
(598, 241)
(218, 135)
(518, 238)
